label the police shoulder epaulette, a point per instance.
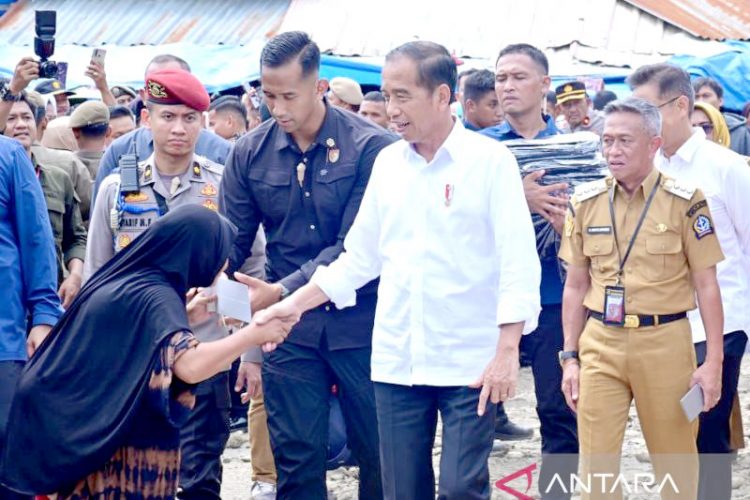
(209, 165)
(677, 188)
(591, 189)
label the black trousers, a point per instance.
(10, 371)
(715, 480)
(407, 421)
(297, 384)
(202, 440)
(557, 422)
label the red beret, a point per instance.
(176, 86)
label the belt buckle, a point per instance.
(632, 321)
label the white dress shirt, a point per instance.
(724, 177)
(454, 246)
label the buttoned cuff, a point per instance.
(335, 286)
(520, 307)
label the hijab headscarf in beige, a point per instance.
(59, 135)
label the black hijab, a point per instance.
(80, 391)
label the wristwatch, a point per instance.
(563, 356)
(6, 95)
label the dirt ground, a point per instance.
(343, 482)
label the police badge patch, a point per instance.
(157, 90)
(702, 226)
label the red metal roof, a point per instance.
(712, 19)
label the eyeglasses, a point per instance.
(668, 102)
(707, 127)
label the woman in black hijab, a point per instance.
(98, 406)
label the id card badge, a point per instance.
(614, 305)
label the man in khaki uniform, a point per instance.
(639, 246)
(90, 124)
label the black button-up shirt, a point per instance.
(305, 225)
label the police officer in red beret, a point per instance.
(172, 176)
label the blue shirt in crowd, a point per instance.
(552, 285)
(28, 265)
(141, 142)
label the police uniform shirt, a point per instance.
(64, 216)
(594, 122)
(677, 236)
(305, 225)
(199, 184)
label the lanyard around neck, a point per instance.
(650, 198)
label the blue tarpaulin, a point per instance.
(731, 69)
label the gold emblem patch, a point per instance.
(124, 240)
(568, 88)
(147, 173)
(56, 85)
(157, 90)
(209, 190)
(333, 155)
(211, 205)
(136, 197)
(661, 228)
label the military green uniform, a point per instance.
(63, 207)
(91, 159)
(650, 359)
(75, 169)
(119, 218)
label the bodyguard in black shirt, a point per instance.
(302, 175)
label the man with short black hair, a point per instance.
(460, 81)
(521, 82)
(724, 177)
(452, 303)
(373, 108)
(227, 118)
(481, 108)
(709, 90)
(602, 98)
(302, 175)
(62, 202)
(121, 122)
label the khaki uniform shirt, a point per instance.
(79, 174)
(91, 159)
(64, 212)
(677, 236)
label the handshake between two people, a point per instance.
(272, 318)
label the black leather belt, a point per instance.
(639, 320)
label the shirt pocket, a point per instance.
(272, 191)
(665, 257)
(599, 250)
(333, 184)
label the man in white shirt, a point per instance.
(724, 178)
(445, 225)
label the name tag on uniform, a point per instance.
(599, 230)
(614, 305)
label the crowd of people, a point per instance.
(387, 244)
